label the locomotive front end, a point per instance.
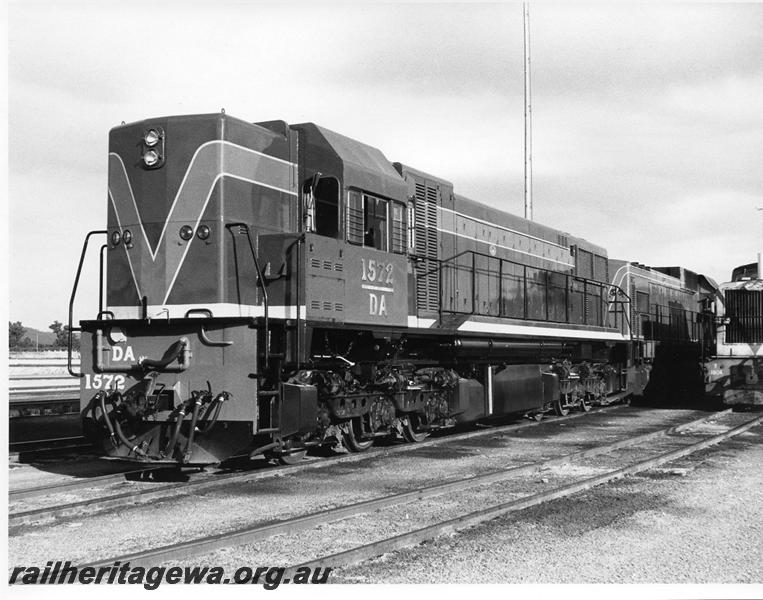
(734, 374)
(169, 366)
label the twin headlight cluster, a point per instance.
(185, 233)
(125, 236)
(153, 148)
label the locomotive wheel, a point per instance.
(560, 409)
(410, 430)
(292, 458)
(585, 404)
(352, 439)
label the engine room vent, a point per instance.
(427, 271)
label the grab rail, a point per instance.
(72, 329)
(261, 283)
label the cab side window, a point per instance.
(376, 222)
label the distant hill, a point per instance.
(46, 337)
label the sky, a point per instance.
(647, 118)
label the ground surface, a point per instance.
(699, 520)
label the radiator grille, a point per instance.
(744, 309)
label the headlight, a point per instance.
(127, 236)
(151, 158)
(186, 232)
(116, 237)
(151, 138)
(203, 232)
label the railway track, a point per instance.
(376, 511)
(31, 450)
(158, 491)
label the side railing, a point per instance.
(668, 324)
(473, 283)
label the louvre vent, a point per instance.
(398, 228)
(427, 242)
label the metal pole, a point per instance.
(760, 254)
(528, 119)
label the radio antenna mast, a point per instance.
(528, 119)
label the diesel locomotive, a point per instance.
(269, 287)
(734, 371)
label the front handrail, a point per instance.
(70, 337)
(261, 283)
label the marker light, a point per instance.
(186, 232)
(151, 138)
(127, 236)
(116, 237)
(203, 232)
(151, 158)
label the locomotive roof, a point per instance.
(365, 167)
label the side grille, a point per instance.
(427, 241)
(744, 309)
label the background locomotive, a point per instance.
(672, 329)
(734, 373)
(273, 287)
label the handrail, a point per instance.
(100, 278)
(297, 302)
(261, 283)
(605, 287)
(70, 337)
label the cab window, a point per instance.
(326, 198)
(375, 218)
(376, 222)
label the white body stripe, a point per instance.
(514, 231)
(627, 272)
(488, 243)
(220, 309)
(420, 323)
(515, 329)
